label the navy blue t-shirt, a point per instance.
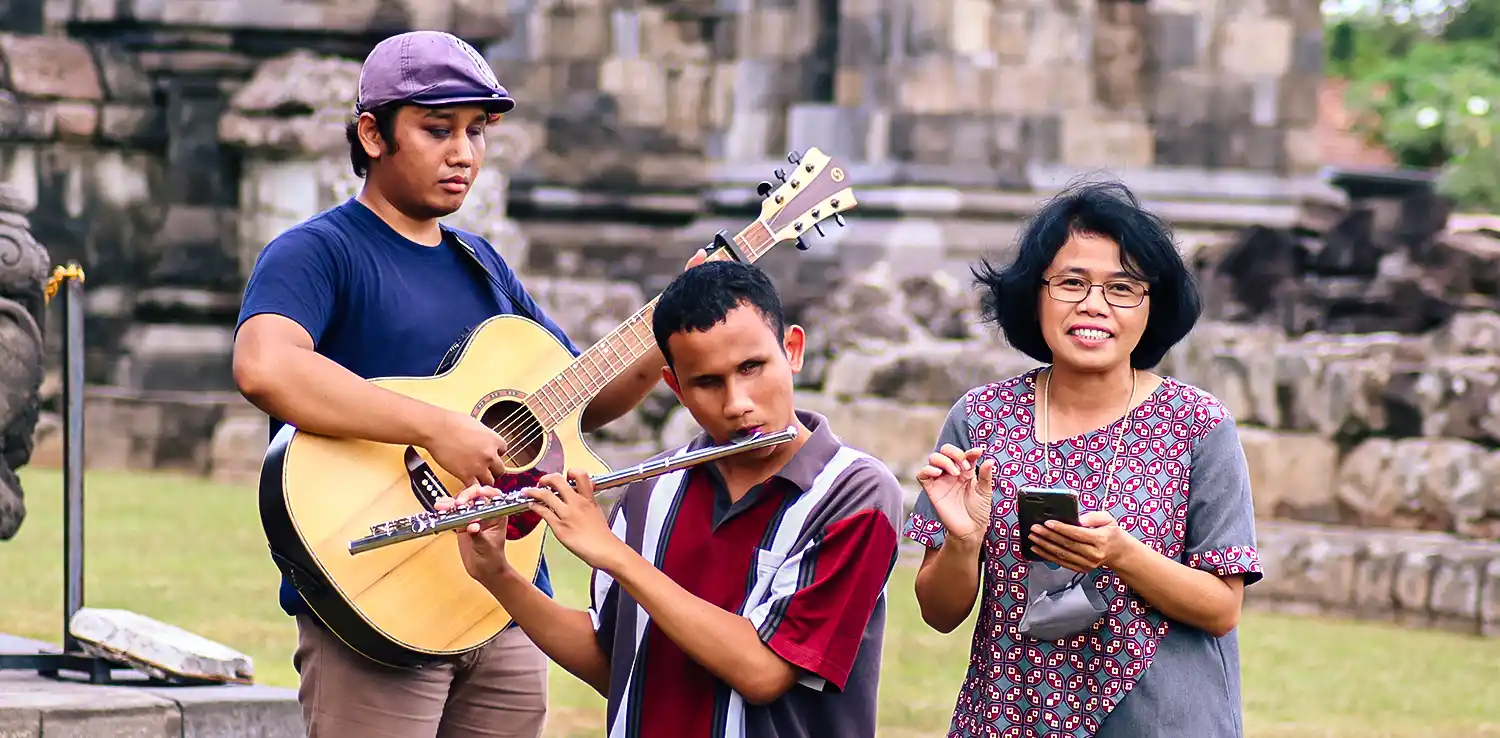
(380, 304)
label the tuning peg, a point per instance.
(794, 157)
(781, 174)
(764, 188)
(801, 244)
(839, 218)
(819, 228)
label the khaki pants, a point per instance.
(499, 691)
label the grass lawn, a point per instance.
(192, 554)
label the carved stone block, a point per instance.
(840, 132)
(1174, 41)
(48, 66)
(1119, 55)
(1489, 604)
(921, 139)
(77, 122)
(1413, 585)
(1254, 47)
(1009, 34)
(927, 87)
(1297, 99)
(124, 80)
(863, 42)
(929, 28)
(1457, 583)
(565, 33)
(639, 89)
(132, 125)
(973, 23)
(1094, 141)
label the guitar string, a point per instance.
(520, 418)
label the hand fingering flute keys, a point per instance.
(514, 501)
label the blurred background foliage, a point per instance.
(1424, 85)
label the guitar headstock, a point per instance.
(815, 189)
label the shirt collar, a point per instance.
(804, 466)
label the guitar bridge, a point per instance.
(425, 484)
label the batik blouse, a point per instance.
(1183, 488)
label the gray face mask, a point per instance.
(1063, 603)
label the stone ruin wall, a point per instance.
(165, 159)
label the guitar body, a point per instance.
(412, 602)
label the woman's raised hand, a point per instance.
(960, 493)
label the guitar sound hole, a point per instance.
(523, 433)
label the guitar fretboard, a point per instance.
(596, 367)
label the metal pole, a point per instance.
(73, 380)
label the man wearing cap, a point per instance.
(376, 287)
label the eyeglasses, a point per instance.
(1121, 294)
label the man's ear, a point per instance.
(670, 377)
(794, 343)
(369, 136)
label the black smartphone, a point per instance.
(1037, 505)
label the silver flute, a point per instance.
(484, 508)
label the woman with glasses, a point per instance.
(1122, 624)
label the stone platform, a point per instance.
(32, 706)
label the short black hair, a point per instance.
(1148, 252)
(385, 124)
(701, 297)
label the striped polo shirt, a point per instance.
(804, 556)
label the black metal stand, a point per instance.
(72, 658)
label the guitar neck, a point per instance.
(622, 347)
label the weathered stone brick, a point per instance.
(124, 80)
(567, 34)
(1092, 141)
(1174, 40)
(1009, 31)
(973, 22)
(76, 121)
(1041, 137)
(841, 132)
(767, 33)
(862, 42)
(1304, 151)
(52, 67)
(929, 27)
(1119, 55)
(724, 44)
(1029, 89)
(1184, 97)
(852, 9)
(927, 87)
(921, 139)
(1297, 99)
(639, 87)
(1255, 46)
(688, 89)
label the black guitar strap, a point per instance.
(467, 249)
(502, 294)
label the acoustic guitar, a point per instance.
(412, 602)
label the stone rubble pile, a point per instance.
(1367, 264)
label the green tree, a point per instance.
(1427, 89)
